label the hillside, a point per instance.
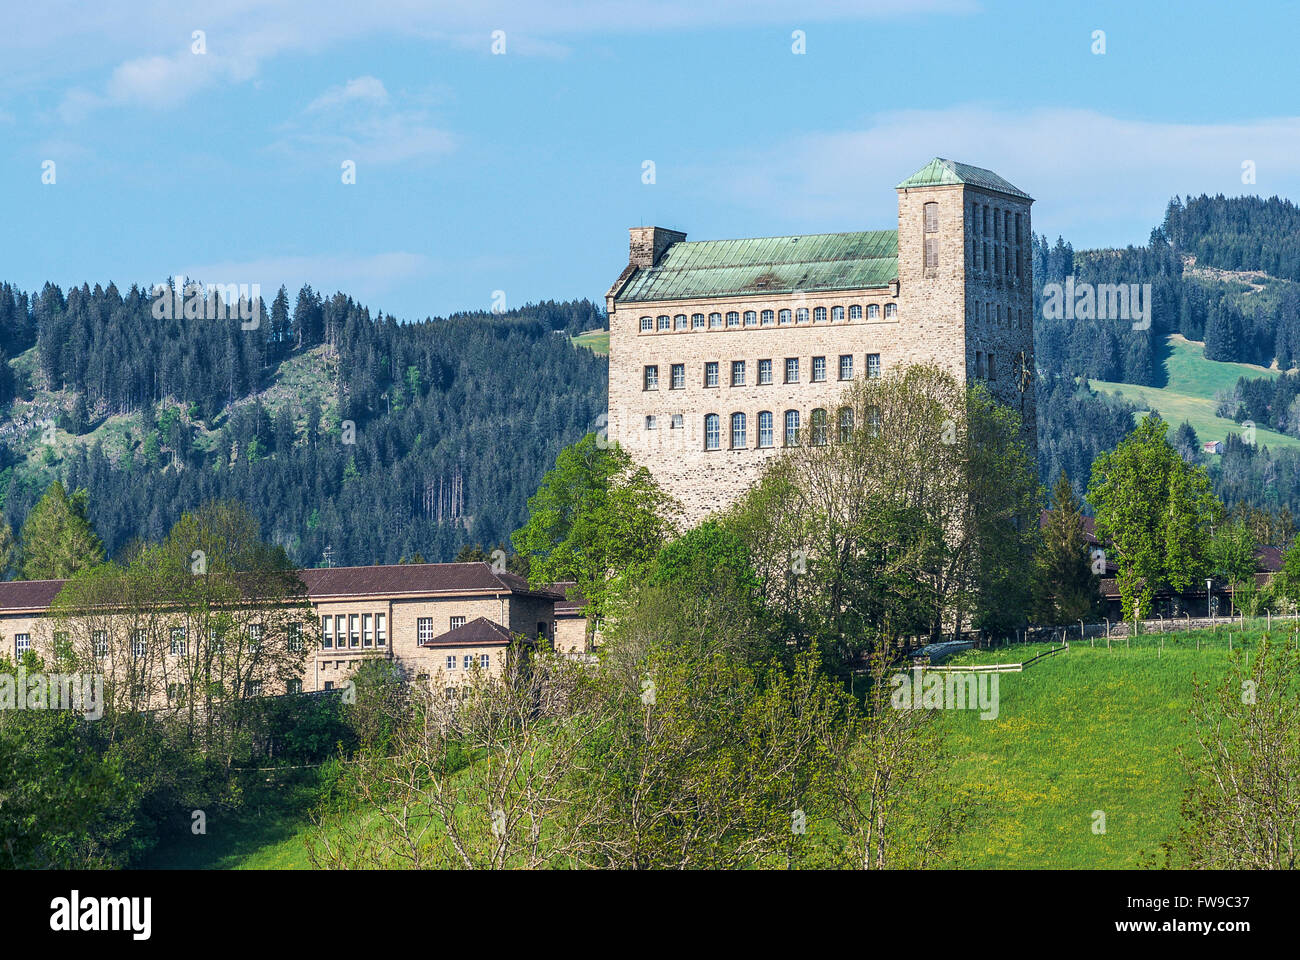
(1189, 395)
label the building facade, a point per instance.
(435, 622)
(722, 352)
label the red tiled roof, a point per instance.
(479, 632)
(29, 594)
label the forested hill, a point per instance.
(455, 419)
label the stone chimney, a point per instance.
(647, 244)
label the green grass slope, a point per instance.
(1189, 393)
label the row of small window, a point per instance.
(713, 372)
(986, 366)
(992, 233)
(765, 318)
(819, 428)
(354, 630)
(997, 314)
(178, 640)
(467, 661)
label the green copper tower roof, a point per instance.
(942, 173)
(737, 268)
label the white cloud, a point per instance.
(365, 89)
(1090, 172)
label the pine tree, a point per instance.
(57, 538)
(1066, 572)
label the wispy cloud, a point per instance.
(1088, 170)
(365, 89)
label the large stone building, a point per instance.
(724, 351)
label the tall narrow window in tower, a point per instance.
(931, 217)
(931, 256)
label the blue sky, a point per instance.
(521, 172)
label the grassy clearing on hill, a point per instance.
(597, 341)
(1092, 729)
(1189, 391)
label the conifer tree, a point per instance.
(1067, 578)
(57, 538)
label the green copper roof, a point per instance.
(736, 268)
(941, 173)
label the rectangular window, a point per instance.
(354, 630)
(484, 660)
(293, 685)
(764, 372)
(678, 381)
(873, 366)
(295, 637)
(22, 643)
(791, 369)
(993, 368)
(650, 378)
(367, 630)
(711, 373)
(381, 630)
(677, 422)
(99, 642)
(424, 629)
(254, 636)
(178, 645)
(451, 661)
(931, 254)
(651, 422)
(979, 364)
(712, 432)
(846, 366)
(468, 661)
(139, 643)
(819, 369)
(340, 631)
(457, 622)
(737, 373)
(931, 217)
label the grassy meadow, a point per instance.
(1188, 393)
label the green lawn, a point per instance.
(597, 341)
(1189, 393)
(1092, 729)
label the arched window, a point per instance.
(792, 428)
(819, 315)
(768, 318)
(837, 314)
(664, 322)
(697, 321)
(715, 320)
(846, 424)
(801, 315)
(738, 439)
(931, 217)
(891, 311)
(873, 311)
(712, 432)
(784, 317)
(751, 318)
(818, 424)
(647, 324)
(679, 322)
(855, 311)
(733, 318)
(765, 428)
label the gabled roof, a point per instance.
(573, 602)
(33, 595)
(415, 579)
(736, 268)
(479, 632)
(941, 173)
